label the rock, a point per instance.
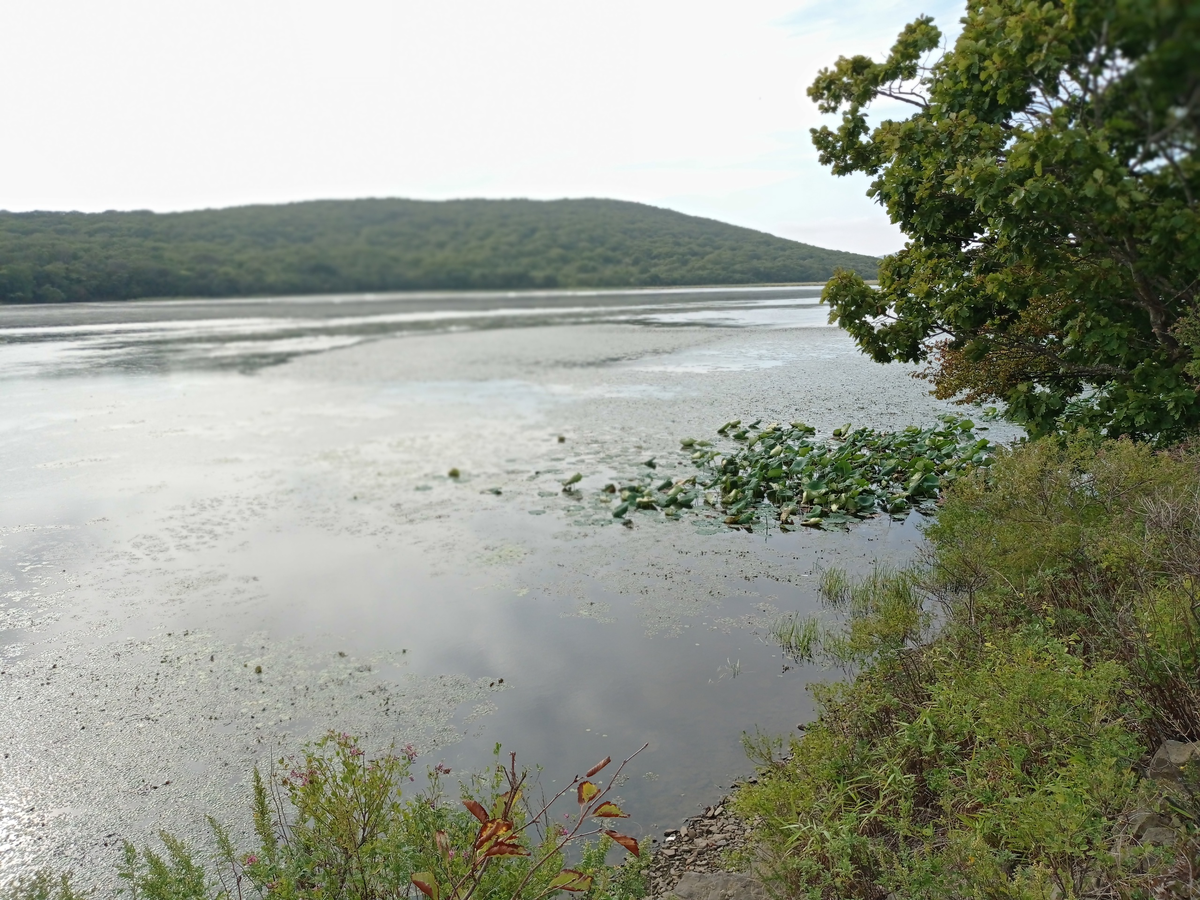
(1143, 820)
(1159, 835)
(719, 886)
(1168, 762)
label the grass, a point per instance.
(1007, 692)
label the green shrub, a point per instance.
(1019, 752)
(1098, 543)
(996, 754)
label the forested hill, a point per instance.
(334, 246)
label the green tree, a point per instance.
(389, 245)
(1047, 183)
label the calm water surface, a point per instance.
(191, 490)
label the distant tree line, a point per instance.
(389, 245)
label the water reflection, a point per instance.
(177, 513)
(246, 334)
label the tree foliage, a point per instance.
(1048, 184)
(389, 245)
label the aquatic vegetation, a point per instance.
(796, 635)
(665, 495)
(788, 475)
(855, 474)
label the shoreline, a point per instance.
(688, 862)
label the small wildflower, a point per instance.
(251, 859)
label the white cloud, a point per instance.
(698, 106)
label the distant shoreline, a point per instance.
(393, 245)
(480, 293)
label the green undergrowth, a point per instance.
(1004, 694)
(331, 823)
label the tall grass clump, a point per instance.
(1006, 694)
(331, 823)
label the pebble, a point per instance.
(696, 848)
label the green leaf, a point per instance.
(571, 880)
(608, 810)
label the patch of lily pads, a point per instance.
(854, 474)
(789, 475)
(645, 492)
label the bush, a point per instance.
(997, 754)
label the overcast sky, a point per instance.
(694, 105)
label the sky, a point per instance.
(692, 105)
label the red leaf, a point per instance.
(506, 848)
(598, 766)
(586, 792)
(443, 843)
(609, 810)
(426, 884)
(625, 841)
(476, 810)
(494, 829)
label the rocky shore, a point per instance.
(690, 861)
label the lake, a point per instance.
(227, 526)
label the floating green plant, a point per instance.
(857, 473)
(787, 474)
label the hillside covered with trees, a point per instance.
(334, 246)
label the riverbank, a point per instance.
(705, 849)
(1025, 717)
